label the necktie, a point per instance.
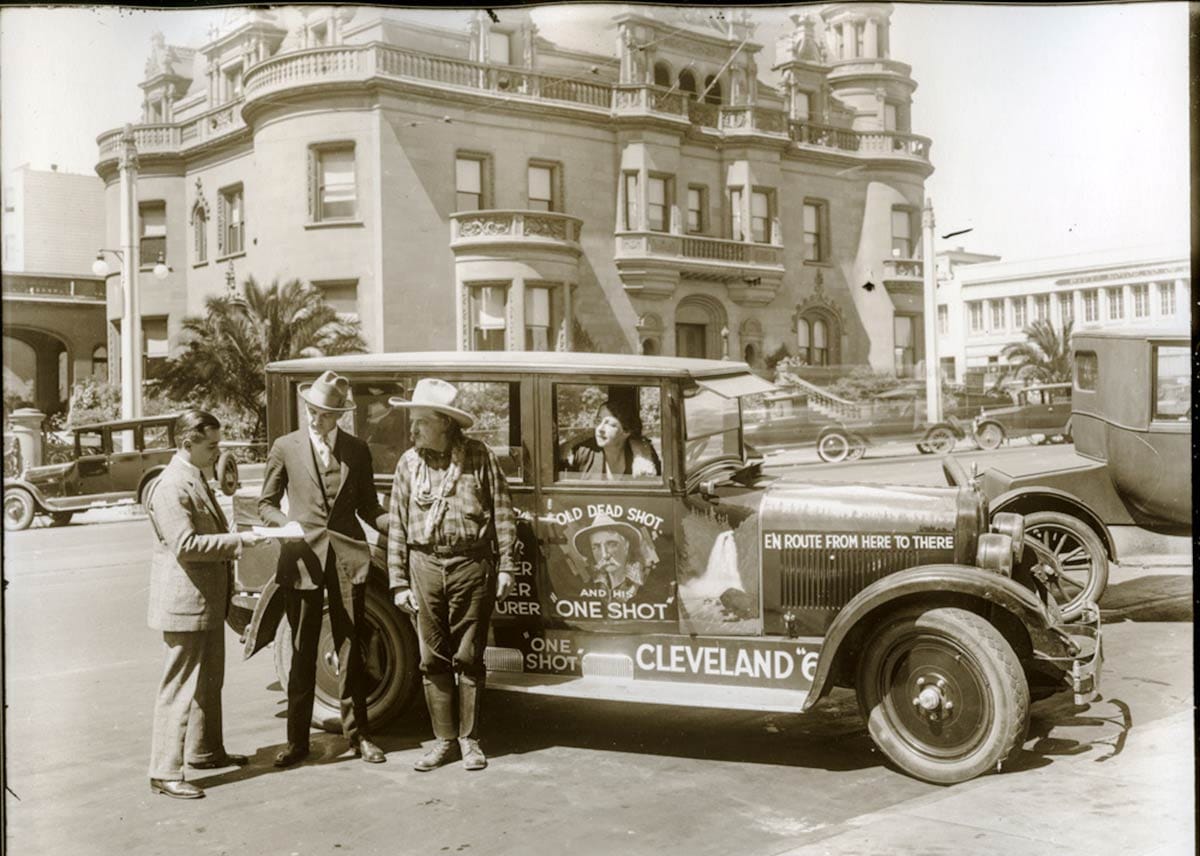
(212, 497)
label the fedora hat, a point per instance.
(601, 523)
(329, 392)
(436, 395)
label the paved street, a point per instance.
(566, 776)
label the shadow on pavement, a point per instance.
(1105, 723)
(1151, 597)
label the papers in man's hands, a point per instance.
(291, 530)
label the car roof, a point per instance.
(541, 362)
(1166, 331)
(128, 423)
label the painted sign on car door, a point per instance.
(605, 526)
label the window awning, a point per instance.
(735, 386)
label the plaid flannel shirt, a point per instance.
(480, 508)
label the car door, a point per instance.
(125, 462)
(607, 538)
(1039, 414)
(92, 446)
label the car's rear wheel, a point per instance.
(1082, 561)
(19, 509)
(939, 440)
(858, 448)
(989, 436)
(943, 694)
(834, 447)
(61, 518)
(389, 647)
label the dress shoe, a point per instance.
(369, 752)
(226, 760)
(442, 752)
(291, 755)
(180, 790)
(472, 755)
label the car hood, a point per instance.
(1001, 411)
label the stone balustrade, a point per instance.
(347, 64)
(506, 226)
(895, 268)
(652, 263)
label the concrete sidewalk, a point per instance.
(1021, 812)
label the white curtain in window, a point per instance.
(337, 183)
(491, 308)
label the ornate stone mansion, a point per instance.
(485, 188)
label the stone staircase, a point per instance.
(821, 399)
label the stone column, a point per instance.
(27, 427)
(516, 314)
(849, 42)
(871, 39)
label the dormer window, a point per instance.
(233, 82)
(499, 49)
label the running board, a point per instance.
(676, 693)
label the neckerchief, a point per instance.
(423, 486)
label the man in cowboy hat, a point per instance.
(451, 554)
(614, 550)
(328, 477)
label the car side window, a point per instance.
(1087, 370)
(382, 427)
(496, 406)
(607, 431)
(89, 442)
(1172, 383)
(156, 437)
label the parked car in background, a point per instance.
(1130, 476)
(113, 463)
(749, 592)
(1041, 412)
(781, 419)
(894, 416)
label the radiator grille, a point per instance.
(825, 579)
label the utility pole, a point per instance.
(933, 373)
(131, 322)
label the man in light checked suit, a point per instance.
(189, 598)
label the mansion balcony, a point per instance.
(507, 231)
(53, 289)
(903, 276)
(343, 68)
(651, 264)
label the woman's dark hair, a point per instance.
(625, 412)
(193, 425)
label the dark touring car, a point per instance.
(737, 590)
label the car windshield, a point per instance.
(713, 425)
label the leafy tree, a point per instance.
(1044, 356)
(225, 352)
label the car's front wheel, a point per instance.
(19, 509)
(834, 447)
(389, 648)
(61, 518)
(943, 694)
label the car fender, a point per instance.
(148, 477)
(961, 580)
(978, 426)
(837, 427)
(1026, 500)
(952, 425)
(39, 501)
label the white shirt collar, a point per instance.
(329, 439)
(192, 469)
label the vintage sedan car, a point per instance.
(1041, 412)
(781, 419)
(752, 593)
(1129, 478)
(896, 415)
(112, 464)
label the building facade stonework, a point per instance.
(484, 187)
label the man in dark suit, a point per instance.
(327, 476)
(189, 598)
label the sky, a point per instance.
(1056, 129)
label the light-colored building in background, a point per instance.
(54, 306)
(485, 188)
(985, 303)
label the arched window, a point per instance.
(750, 354)
(813, 340)
(712, 88)
(662, 74)
(100, 362)
(687, 82)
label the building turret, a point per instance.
(863, 76)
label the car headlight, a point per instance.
(1012, 525)
(995, 553)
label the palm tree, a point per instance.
(1044, 356)
(226, 351)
